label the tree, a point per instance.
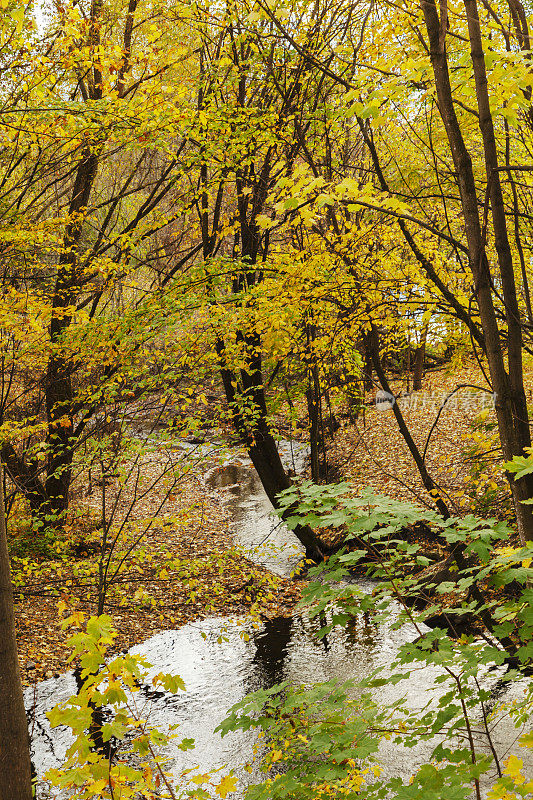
(15, 764)
(90, 172)
(262, 101)
(396, 97)
(507, 380)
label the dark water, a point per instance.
(221, 660)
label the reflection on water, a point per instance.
(220, 664)
(256, 528)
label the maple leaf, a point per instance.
(226, 785)
(513, 767)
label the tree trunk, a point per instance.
(58, 386)
(58, 389)
(260, 443)
(314, 410)
(418, 366)
(27, 481)
(511, 409)
(244, 385)
(457, 551)
(15, 763)
(314, 433)
(367, 367)
(267, 462)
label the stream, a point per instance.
(220, 665)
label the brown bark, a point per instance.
(58, 386)
(508, 386)
(314, 410)
(262, 447)
(418, 366)
(26, 480)
(58, 389)
(367, 368)
(314, 431)
(245, 387)
(460, 311)
(15, 763)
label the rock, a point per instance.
(438, 573)
(456, 624)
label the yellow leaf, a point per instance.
(514, 767)
(226, 785)
(199, 779)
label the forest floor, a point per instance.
(185, 566)
(459, 442)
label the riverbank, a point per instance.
(184, 568)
